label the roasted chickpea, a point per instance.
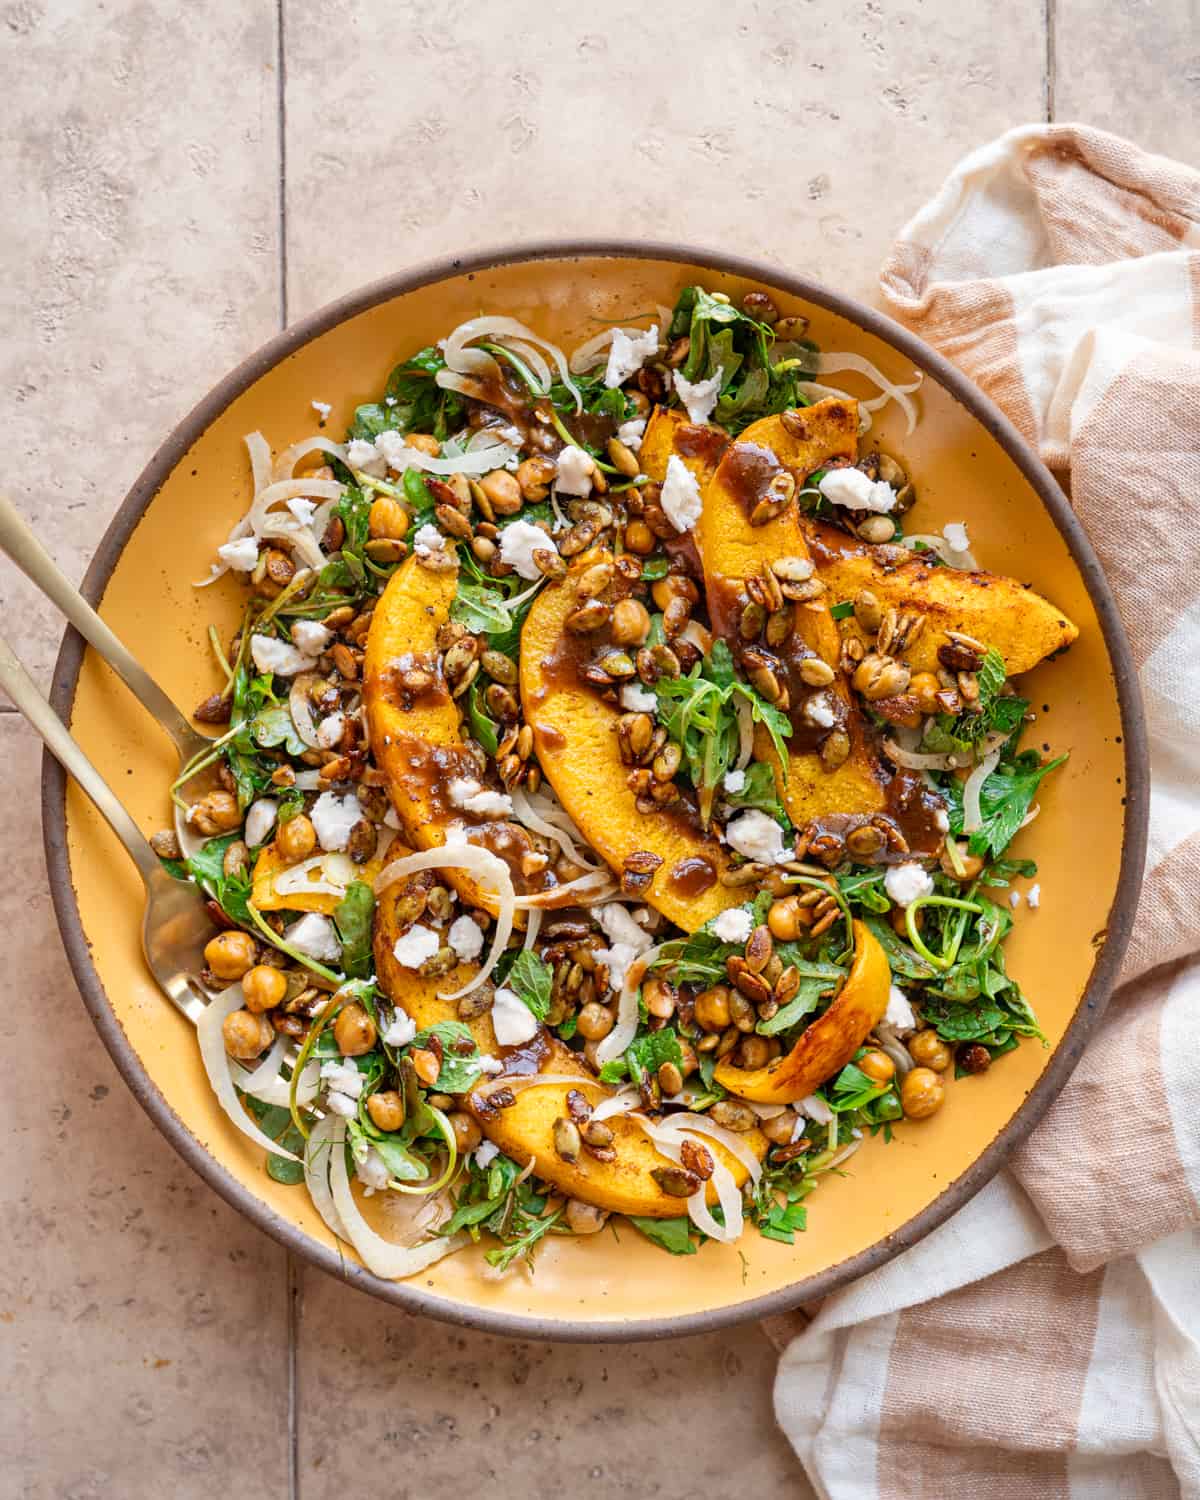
(925, 687)
(753, 1052)
(639, 538)
(534, 476)
(969, 865)
(230, 954)
(264, 988)
(388, 520)
(630, 623)
(784, 919)
(584, 1218)
(467, 1134)
(922, 1094)
(297, 838)
(778, 1130)
(928, 1049)
(503, 492)
(246, 1035)
(594, 1021)
(673, 586)
(354, 1031)
(386, 1109)
(877, 1065)
(217, 812)
(423, 442)
(712, 1008)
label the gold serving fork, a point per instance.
(175, 925)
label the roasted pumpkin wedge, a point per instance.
(748, 528)
(414, 725)
(698, 444)
(525, 1130)
(997, 611)
(575, 734)
(334, 869)
(832, 1039)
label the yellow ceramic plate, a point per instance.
(968, 463)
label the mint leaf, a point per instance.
(352, 917)
(674, 1235)
(531, 979)
(460, 1070)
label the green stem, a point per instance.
(944, 960)
(302, 959)
(447, 1132)
(518, 365)
(306, 1050)
(214, 641)
(834, 890)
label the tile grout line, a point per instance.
(1051, 59)
(281, 85)
(293, 1376)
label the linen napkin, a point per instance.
(1046, 1340)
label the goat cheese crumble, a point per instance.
(519, 540)
(619, 927)
(365, 457)
(699, 396)
(1034, 896)
(627, 354)
(427, 540)
(956, 537)
(485, 1154)
(631, 433)
(735, 781)
(636, 699)
(899, 1014)
(303, 510)
(819, 710)
(315, 936)
(466, 938)
(400, 1031)
(311, 636)
(322, 409)
(680, 497)
(270, 655)
(853, 490)
(758, 837)
(333, 817)
(472, 796)
(512, 1020)
(907, 883)
(575, 470)
(241, 555)
(416, 946)
(733, 926)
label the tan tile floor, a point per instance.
(149, 1344)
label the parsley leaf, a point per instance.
(1004, 801)
(207, 868)
(674, 1235)
(414, 402)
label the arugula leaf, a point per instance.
(207, 868)
(414, 402)
(460, 1070)
(852, 1089)
(531, 980)
(805, 1000)
(758, 791)
(674, 1235)
(483, 726)
(905, 962)
(352, 917)
(480, 609)
(276, 1122)
(533, 1230)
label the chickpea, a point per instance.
(630, 623)
(753, 1052)
(712, 1008)
(354, 1030)
(925, 687)
(673, 586)
(784, 919)
(659, 998)
(423, 442)
(218, 812)
(534, 476)
(969, 865)
(386, 1109)
(297, 838)
(584, 1218)
(639, 538)
(230, 954)
(264, 988)
(928, 1049)
(877, 1065)
(503, 492)
(388, 520)
(246, 1035)
(594, 1021)
(778, 1130)
(467, 1134)
(922, 1094)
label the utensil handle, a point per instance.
(23, 547)
(21, 688)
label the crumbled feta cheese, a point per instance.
(428, 539)
(400, 1031)
(330, 731)
(456, 836)
(260, 819)
(322, 409)
(575, 470)
(699, 396)
(311, 636)
(491, 1064)
(1034, 896)
(466, 938)
(941, 820)
(303, 510)
(631, 433)
(1014, 899)
(341, 1104)
(735, 781)
(365, 457)
(315, 936)
(905, 883)
(627, 354)
(733, 926)
(636, 699)
(956, 537)
(619, 927)
(816, 1109)
(270, 655)
(512, 1020)
(819, 710)
(416, 946)
(853, 490)
(485, 1154)
(519, 540)
(680, 498)
(758, 837)
(473, 797)
(398, 455)
(333, 817)
(341, 1074)
(617, 961)
(899, 1014)
(372, 1172)
(240, 555)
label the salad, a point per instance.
(610, 805)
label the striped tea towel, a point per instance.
(1045, 1342)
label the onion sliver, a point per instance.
(963, 562)
(972, 788)
(595, 886)
(260, 459)
(300, 706)
(532, 927)
(733, 1143)
(614, 1044)
(622, 1103)
(479, 461)
(285, 464)
(730, 1199)
(529, 817)
(317, 1154)
(535, 1080)
(216, 1065)
(338, 872)
(832, 362)
(381, 1256)
(267, 1083)
(481, 862)
(918, 760)
(459, 357)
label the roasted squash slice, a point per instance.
(271, 865)
(1001, 612)
(832, 1039)
(734, 551)
(575, 734)
(668, 432)
(525, 1130)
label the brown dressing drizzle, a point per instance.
(707, 444)
(691, 877)
(747, 470)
